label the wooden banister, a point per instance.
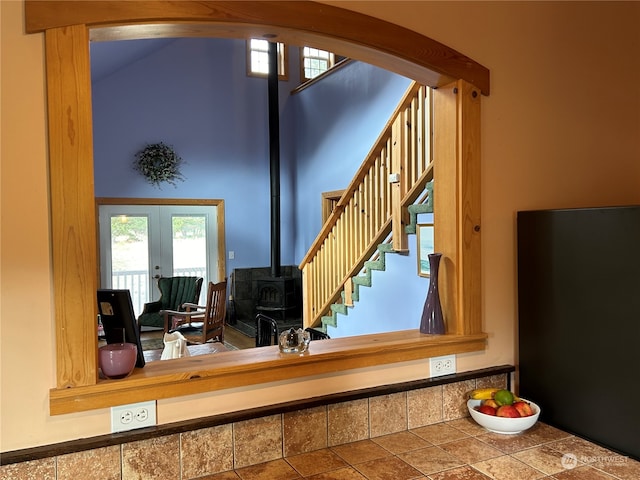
(392, 176)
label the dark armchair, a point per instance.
(174, 292)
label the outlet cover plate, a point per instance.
(444, 365)
(132, 416)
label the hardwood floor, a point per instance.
(238, 339)
(232, 337)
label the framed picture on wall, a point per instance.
(425, 247)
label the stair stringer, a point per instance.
(364, 279)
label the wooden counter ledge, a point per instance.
(223, 370)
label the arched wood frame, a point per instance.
(69, 26)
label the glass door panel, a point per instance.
(189, 248)
(129, 234)
(190, 240)
(130, 257)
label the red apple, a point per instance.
(507, 411)
(486, 409)
(523, 408)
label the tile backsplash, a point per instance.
(207, 451)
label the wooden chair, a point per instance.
(266, 331)
(200, 324)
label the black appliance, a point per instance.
(579, 321)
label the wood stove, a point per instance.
(247, 283)
(276, 295)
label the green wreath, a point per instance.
(159, 163)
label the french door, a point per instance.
(141, 243)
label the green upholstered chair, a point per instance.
(174, 292)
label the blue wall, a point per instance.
(340, 118)
(395, 299)
(194, 94)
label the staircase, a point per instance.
(376, 263)
(375, 214)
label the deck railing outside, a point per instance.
(137, 282)
(393, 176)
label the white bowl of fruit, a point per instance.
(500, 411)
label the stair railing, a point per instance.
(393, 175)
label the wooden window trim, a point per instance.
(283, 61)
(307, 83)
(329, 201)
(68, 27)
(303, 77)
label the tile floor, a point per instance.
(453, 450)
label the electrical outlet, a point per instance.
(132, 416)
(445, 365)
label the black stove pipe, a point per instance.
(274, 157)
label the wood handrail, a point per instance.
(410, 93)
(372, 206)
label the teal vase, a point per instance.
(432, 321)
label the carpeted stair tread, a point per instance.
(339, 308)
(329, 320)
(416, 209)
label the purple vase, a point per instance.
(432, 321)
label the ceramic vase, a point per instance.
(432, 321)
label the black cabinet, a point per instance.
(579, 321)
